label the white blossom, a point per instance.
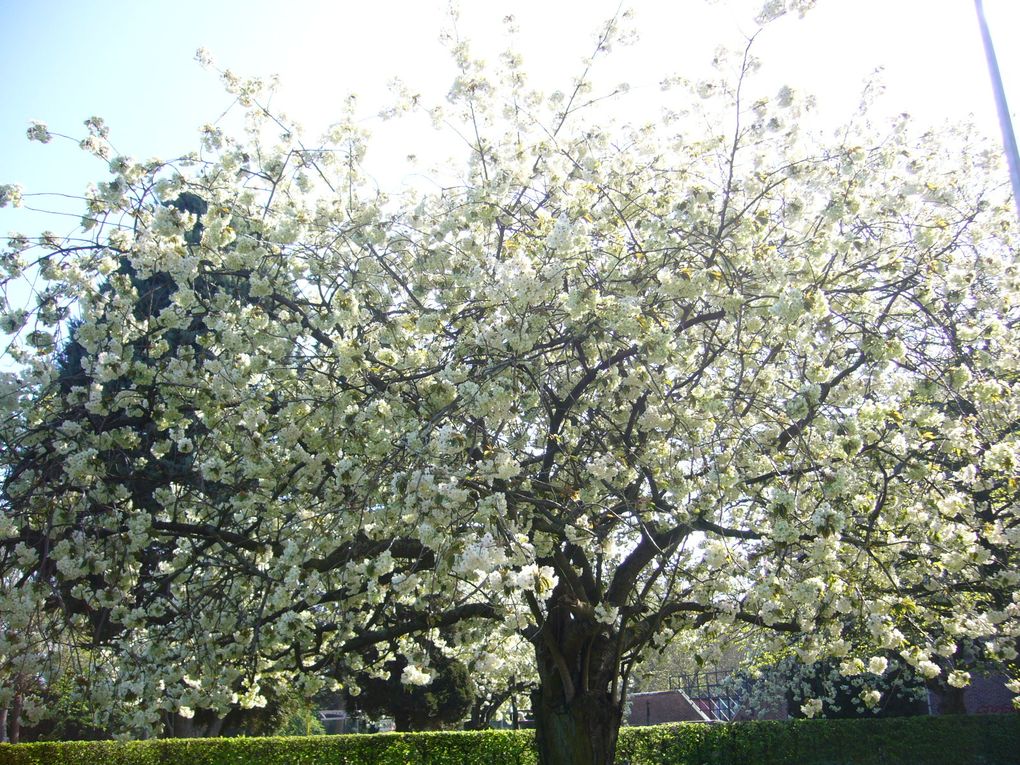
(811, 707)
(38, 131)
(414, 675)
(10, 194)
(870, 697)
(958, 679)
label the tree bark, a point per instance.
(577, 719)
(950, 701)
(402, 721)
(582, 731)
(15, 718)
(216, 727)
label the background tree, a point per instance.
(415, 700)
(610, 385)
(829, 689)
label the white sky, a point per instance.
(131, 62)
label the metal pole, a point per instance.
(1008, 137)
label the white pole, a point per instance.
(1008, 137)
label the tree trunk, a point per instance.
(514, 715)
(577, 718)
(582, 731)
(950, 700)
(402, 720)
(3, 725)
(15, 718)
(216, 727)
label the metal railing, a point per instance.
(714, 692)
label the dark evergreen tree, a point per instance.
(441, 704)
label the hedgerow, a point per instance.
(977, 740)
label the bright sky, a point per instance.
(131, 62)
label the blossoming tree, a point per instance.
(614, 384)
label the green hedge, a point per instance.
(482, 748)
(983, 740)
(956, 740)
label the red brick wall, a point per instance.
(986, 694)
(661, 707)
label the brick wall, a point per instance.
(986, 694)
(662, 707)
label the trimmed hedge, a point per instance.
(452, 748)
(954, 740)
(977, 740)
